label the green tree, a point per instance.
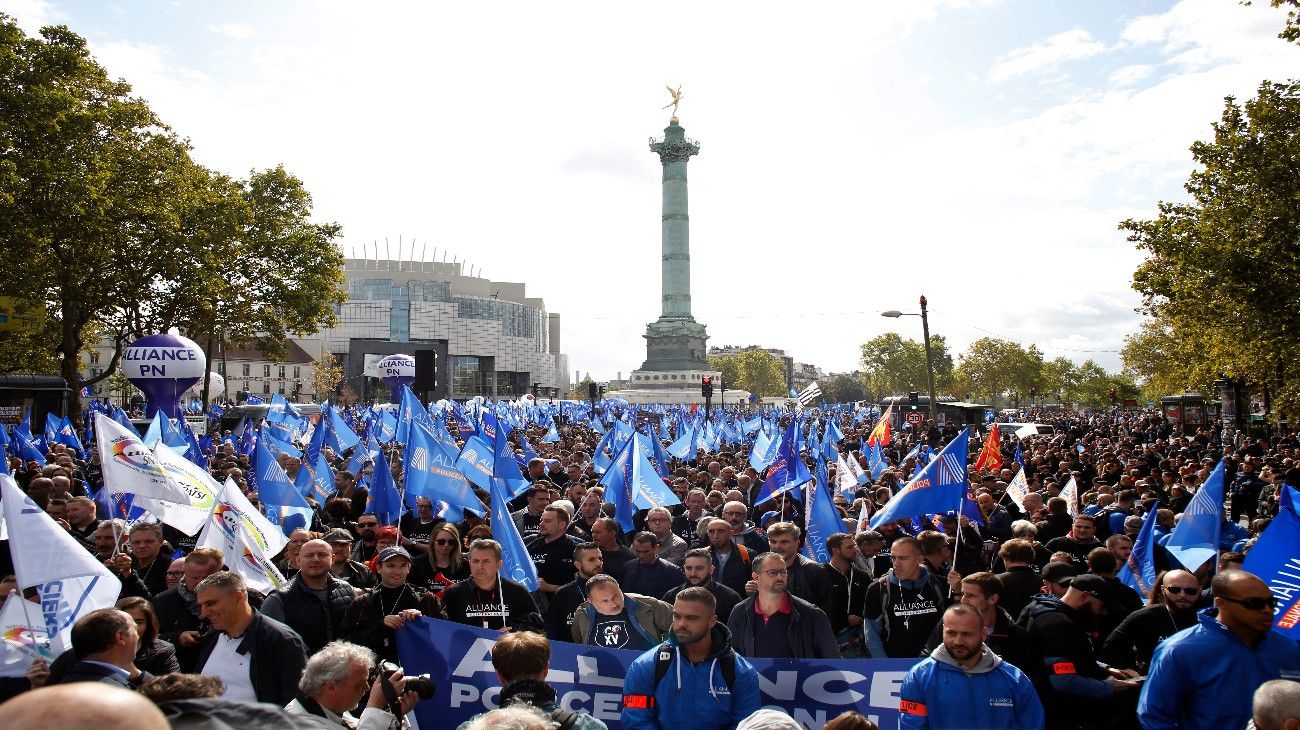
(843, 389)
(106, 220)
(326, 374)
(1221, 269)
(580, 392)
(756, 371)
(1057, 375)
(893, 365)
(996, 368)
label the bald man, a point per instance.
(82, 705)
(314, 602)
(1204, 677)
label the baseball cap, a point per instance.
(1059, 572)
(395, 551)
(1088, 583)
(338, 536)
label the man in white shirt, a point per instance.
(259, 658)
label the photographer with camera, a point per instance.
(339, 675)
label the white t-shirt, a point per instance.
(232, 667)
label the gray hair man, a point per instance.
(334, 681)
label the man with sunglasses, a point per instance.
(1172, 609)
(1204, 676)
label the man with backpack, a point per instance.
(522, 660)
(694, 679)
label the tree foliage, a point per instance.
(326, 374)
(893, 365)
(106, 220)
(1220, 272)
(843, 389)
(756, 371)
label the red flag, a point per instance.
(991, 455)
(881, 434)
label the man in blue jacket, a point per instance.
(694, 679)
(1204, 676)
(962, 684)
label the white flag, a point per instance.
(849, 473)
(1071, 496)
(70, 580)
(189, 479)
(130, 467)
(1017, 490)
(246, 539)
(20, 642)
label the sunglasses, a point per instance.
(441, 541)
(1254, 603)
(1175, 590)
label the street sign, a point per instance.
(916, 418)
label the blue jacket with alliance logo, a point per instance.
(938, 693)
(690, 695)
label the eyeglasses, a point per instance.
(1254, 603)
(441, 541)
(1177, 590)
(775, 573)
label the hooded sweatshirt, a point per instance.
(940, 693)
(690, 695)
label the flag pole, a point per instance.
(27, 617)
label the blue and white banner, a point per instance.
(459, 660)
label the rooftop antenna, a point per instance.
(387, 254)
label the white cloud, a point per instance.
(233, 30)
(1046, 55)
(1196, 33)
(32, 15)
(838, 176)
(1130, 75)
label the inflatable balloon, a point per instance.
(163, 367)
(396, 371)
(216, 387)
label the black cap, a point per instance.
(1059, 572)
(1088, 583)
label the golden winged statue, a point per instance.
(677, 98)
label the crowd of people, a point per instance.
(1013, 611)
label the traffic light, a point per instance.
(706, 386)
(1114, 394)
(914, 399)
(1033, 392)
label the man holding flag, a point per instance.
(488, 599)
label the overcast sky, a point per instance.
(853, 155)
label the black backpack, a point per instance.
(726, 663)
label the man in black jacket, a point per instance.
(649, 574)
(314, 602)
(807, 579)
(773, 623)
(1173, 608)
(1020, 582)
(179, 621)
(1002, 635)
(730, 560)
(374, 619)
(588, 561)
(106, 641)
(259, 658)
(698, 568)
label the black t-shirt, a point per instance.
(416, 531)
(554, 559)
(615, 632)
(907, 615)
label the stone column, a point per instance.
(674, 151)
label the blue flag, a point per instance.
(475, 461)
(410, 412)
(430, 470)
(281, 501)
(763, 452)
(936, 489)
(1275, 559)
(649, 489)
(338, 435)
(823, 519)
(788, 471)
(384, 501)
(617, 481)
(659, 457)
(552, 433)
(517, 563)
(875, 461)
(1196, 537)
(1139, 572)
(23, 446)
(504, 467)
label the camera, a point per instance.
(421, 684)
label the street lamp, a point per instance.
(929, 359)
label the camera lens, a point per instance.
(422, 685)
